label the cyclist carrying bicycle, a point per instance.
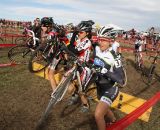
(107, 91)
(37, 28)
(48, 31)
(80, 45)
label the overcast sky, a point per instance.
(139, 14)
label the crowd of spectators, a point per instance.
(5, 23)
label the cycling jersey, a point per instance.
(138, 45)
(107, 56)
(106, 90)
(37, 31)
(82, 47)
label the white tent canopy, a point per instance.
(115, 26)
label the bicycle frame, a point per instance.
(138, 59)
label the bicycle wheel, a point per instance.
(149, 78)
(124, 73)
(20, 40)
(42, 57)
(91, 92)
(1, 41)
(38, 60)
(19, 54)
(136, 61)
(56, 97)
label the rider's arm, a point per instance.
(116, 77)
(71, 46)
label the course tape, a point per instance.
(130, 118)
(13, 35)
(7, 45)
(8, 64)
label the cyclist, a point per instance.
(138, 44)
(80, 45)
(47, 32)
(47, 27)
(69, 28)
(37, 28)
(107, 91)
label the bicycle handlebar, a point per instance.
(32, 35)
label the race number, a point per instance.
(118, 63)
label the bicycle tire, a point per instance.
(91, 92)
(125, 78)
(136, 62)
(1, 41)
(39, 60)
(57, 96)
(151, 77)
(20, 41)
(19, 54)
(148, 78)
(41, 57)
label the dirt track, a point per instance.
(24, 97)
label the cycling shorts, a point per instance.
(109, 95)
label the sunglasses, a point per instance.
(81, 32)
(104, 40)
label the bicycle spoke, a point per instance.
(19, 54)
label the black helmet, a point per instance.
(47, 21)
(85, 26)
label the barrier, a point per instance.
(7, 45)
(6, 65)
(130, 118)
(13, 35)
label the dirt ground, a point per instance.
(24, 96)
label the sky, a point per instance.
(128, 14)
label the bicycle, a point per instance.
(62, 87)
(20, 54)
(45, 54)
(122, 63)
(151, 77)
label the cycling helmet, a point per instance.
(85, 26)
(108, 32)
(47, 21)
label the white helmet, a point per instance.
(108, 32)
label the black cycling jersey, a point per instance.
(105, 83)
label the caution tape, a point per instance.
(7, 45)
(13, 35)
(8, 64)
(130, 118)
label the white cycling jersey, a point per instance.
(106, 56)
(84, 47)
